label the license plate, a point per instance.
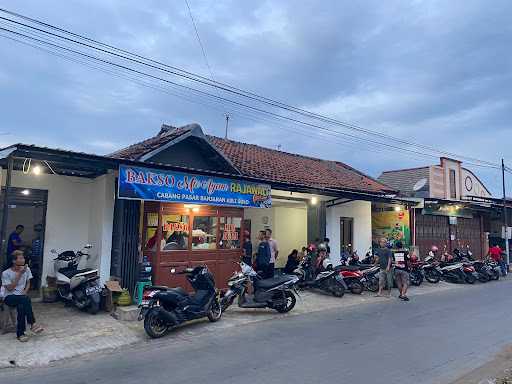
(92, 290)
(144, 303)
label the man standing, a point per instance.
(14, 242)
(402, 262)
(15, 287)
(326, 242)
(274, 252)
(263, 256)
(385, 258)
(247, 249)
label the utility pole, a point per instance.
(227, 125)
(505, 218)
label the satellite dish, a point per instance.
(419, 184)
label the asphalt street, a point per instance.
(434, 338)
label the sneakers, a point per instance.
(23, 338)
(404, 298)
(37, 329)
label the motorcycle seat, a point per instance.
(346, 268)
(272, 282)
(70, 272)
(178, 290)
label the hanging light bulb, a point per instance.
(314, 200)
(36, 170)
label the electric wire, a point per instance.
(227, 88)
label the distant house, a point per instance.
(448, 216)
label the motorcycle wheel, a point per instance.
(373, 285)
(94, 304)
(356, 288)
(226, 302)
(416, 279)
(483, 278)
(433, 277)
(289, 303)
(470, 279)
(495, 275)
(154, 326)
(215, 312)
(337, 289)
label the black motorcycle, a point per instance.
(167, 308)
(431, 270)
(328, 280)
(275, 293)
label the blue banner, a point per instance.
(158, 185)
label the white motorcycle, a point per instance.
(78, 286)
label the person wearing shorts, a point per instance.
(402, 262)
(385, 258)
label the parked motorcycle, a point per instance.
(329, 280)
(416, 275)
(494, 268)
(352, 276)
(164, 308)
(431, 270)
(370, 279)
(77, 286)
(453, 273)
(275, 293)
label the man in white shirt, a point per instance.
(274, 252)
(15, 287)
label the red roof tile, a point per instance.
(270, 165)
(282, 167)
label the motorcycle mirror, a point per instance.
(88, 246)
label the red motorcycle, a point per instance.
(353, 278)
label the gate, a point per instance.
(125, 242)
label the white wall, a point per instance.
(361, 212)
(288, 224)
(290, 231)
(79, 211)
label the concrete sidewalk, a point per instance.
(70, 333)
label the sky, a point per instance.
(437, 73)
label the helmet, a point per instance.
(322, 247)
(434, 248)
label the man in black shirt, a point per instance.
(402, 262)
(247, 248)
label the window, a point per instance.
(453, 185)
(175, 232)
(151, 227)
(230, 232)
(204, 232)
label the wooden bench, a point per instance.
(7, 318)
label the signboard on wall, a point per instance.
(140, 183)
(392, 225)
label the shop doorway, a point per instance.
(27, 207)
(346, 233)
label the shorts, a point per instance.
(402, 278)
(385, 276)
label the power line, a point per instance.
(228, 88)
(272, 114)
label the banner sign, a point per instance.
(157, 185)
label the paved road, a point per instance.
(435, 338)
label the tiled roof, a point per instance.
(269, 165)
(282, 167)
(136, 151)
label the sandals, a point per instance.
(37, 329)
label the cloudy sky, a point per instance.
(433, 72)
